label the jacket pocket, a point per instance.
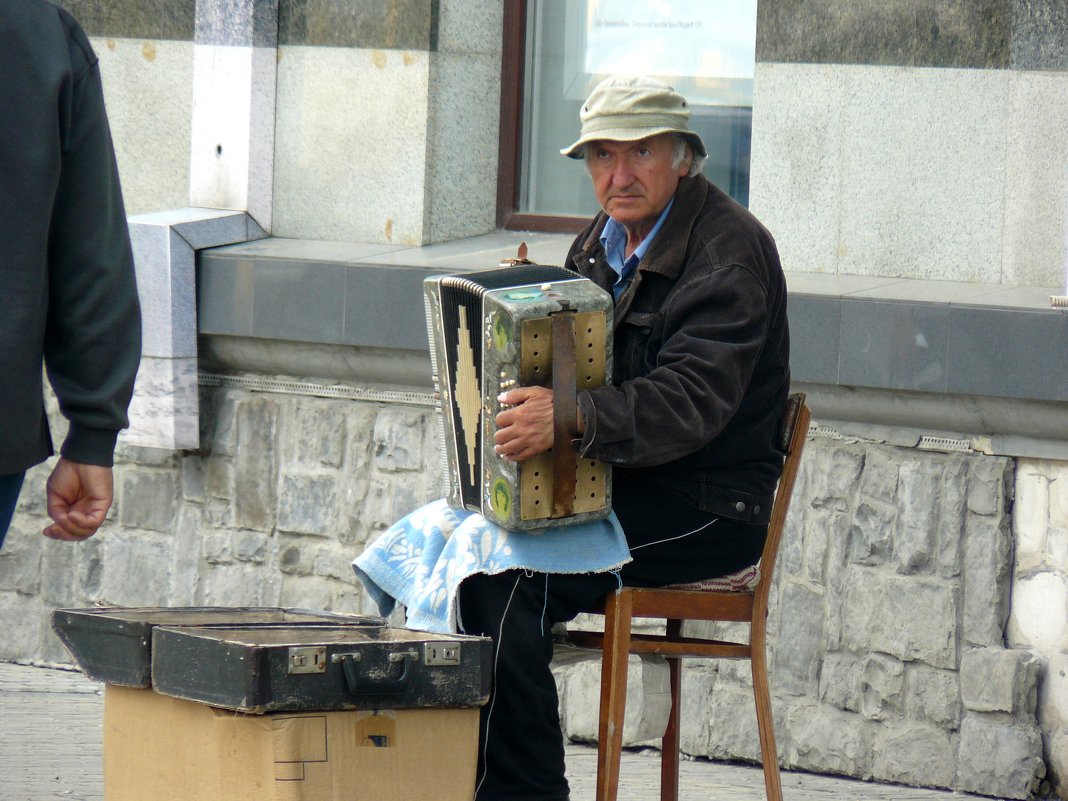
(637, 344)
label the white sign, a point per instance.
(693, 38)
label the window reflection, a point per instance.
(704, 48)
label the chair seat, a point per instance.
(744, 580)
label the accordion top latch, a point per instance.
(520, 257)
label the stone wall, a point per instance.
(873, 119)
(886, 630)
(1038, 618)
(889, 657)
(272, 510)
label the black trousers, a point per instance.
(521, 749)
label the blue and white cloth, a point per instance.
(420, 560)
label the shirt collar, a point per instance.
(614, 242)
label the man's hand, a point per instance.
(526, 429)
(79, 496)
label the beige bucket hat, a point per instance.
(628, 108)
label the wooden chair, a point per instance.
(694, 602)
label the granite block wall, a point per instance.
(383, 132)
(335, 106)
(889, 657)
(234, 90)
(145, 49)
(916, 630)
(1038, 619)
(269, 512)
(325, 120)
(148, 91)
(918, 139)
(891, 616)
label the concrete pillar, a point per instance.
(234, 69)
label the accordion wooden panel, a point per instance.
(494, 330)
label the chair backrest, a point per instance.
(792, 434)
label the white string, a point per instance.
(544, 604)
(500, 636)
(679, 537)
(493, 700)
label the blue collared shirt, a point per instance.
(614, 242)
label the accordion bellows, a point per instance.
(494, 330)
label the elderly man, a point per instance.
(701, 376)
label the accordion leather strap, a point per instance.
(565, 459)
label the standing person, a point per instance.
(68, 299)
(701, 375)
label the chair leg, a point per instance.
(616, 650)
(669, 745)
(765, 718)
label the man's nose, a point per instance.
(622, 174)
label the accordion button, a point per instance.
(756, 510)
(593, 260)
(739, 506)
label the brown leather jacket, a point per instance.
(701, 357)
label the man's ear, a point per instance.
(684, 167)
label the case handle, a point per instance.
(362, 685)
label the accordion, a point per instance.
(516, 326)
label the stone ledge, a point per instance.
(892, 359)
(163, 412)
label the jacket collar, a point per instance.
(668, 251)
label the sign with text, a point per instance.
(694, 38)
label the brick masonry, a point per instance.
(902, 648)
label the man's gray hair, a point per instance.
(679, 145)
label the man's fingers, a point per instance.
(522, 455)
(55, 532)
(88, 513)
(525, 429)
(78, 521)
(514, 397)
(69, 527)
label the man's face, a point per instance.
(634, 181)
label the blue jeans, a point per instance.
(9, 495)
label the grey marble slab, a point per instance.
(135, 19)
(851, 331)
(1008, 353)
(298, 300)
(815, 337)
(397, 25)
(919, 33)
(894, 345)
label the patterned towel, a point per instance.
(420, 561)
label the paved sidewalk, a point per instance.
(50, 748)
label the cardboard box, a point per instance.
(158, 748)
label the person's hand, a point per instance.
(79, 496)
(526, 429)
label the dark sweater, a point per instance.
(67, 292)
